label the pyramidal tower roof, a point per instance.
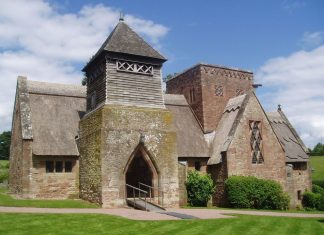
(124, 40)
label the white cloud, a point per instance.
(311, 40)
(41, 43)
(297, 82)
(292, 5)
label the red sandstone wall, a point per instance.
(208, 107)
(239, 154)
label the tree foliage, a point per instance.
(318, 150)
(200, 188)
(169, 76)
(5, 140)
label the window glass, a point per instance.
(49, 166)
(59, 166)
(197, 166)
(68, 166)
(256, 142)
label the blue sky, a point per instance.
(282, 42)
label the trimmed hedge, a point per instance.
(251, 192)
(311, 200)
(315, 199)
(200, 188)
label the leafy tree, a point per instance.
(318, 150)
(169, 76)
(5, 139)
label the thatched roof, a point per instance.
(190, 137)
(55, 111)
(226, 128)
(294, 148)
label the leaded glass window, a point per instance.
(256, 142)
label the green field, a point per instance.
(4, 169)
(7, 200)
(105, 224)
(317, 163)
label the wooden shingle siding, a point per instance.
(133, 89)
(98, 85)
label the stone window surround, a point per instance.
(260, 158)
(63, 166)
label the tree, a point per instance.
(169, 76)
(5, 140)
(318, 150)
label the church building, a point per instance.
(121, 137)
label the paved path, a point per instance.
(170, 214)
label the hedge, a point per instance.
(200, 188)
(251, 192)
(314, 200)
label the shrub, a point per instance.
(200, 188)
(251, 192)
(311, 200)
(319, 183)
(319, 190)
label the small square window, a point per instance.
(49, 166)
(59, 166)
(197, 166)
(68, 166)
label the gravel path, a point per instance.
(170, 214)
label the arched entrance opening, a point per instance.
(140, 170)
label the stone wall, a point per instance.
(16, 151)
(182, 171)
(90, 147)
(205, 79)
(108, 138)
(298, 180)
(219, 175)
(232, 82)
(183, 84)
(239, 157)
(56, 185)
(122, 130)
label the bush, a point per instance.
(200, 188)
(251, 192)
(320, 201)
(311, 200)
(319, 183)
(318, 189)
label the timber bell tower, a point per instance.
(126, 136)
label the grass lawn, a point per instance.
(105, 224)
(317, 163)
(7, 200)
(4, 170)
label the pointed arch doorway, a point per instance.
(140, 169)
